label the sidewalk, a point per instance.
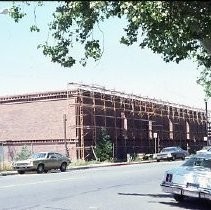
(96, 165)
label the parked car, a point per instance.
(204, 149)
(42, 162)
(191, 179)
(171, 153)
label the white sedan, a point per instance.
(204, 149)
(191, 179)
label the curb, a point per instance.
(72, 168)
(6, 173)
(108, 165)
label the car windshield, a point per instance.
(198, 162)
(38, 155)
(170, 149)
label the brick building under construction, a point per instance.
(71, 120)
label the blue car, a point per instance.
(171, 153)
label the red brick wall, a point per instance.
(37, 120)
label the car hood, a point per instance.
(185, 175)
(201, 151)
(163, 153)
(24, 161)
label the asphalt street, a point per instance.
(126, 187)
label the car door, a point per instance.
(52, 161)
(175, 152)
(59, 159)
(180, 153)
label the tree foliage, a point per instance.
(103, 149)
(23, 154)
(175, 29)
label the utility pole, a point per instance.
(2, 156)
(65, 134)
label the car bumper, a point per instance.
(24, 168)
(163, 158)
(186, 192)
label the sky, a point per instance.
(24, 69)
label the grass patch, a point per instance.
(6, 166)
(84, 163)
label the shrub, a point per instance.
(23, 154)
(103, 148)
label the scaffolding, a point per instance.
(130, 119)
(102, 107)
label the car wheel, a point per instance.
(178, 198)
(40, 168)
(21, 172)
(158, 160)
(173, 158)
(45, 171)
(183, 157)
(63, 167)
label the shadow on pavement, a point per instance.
(194, 204)
(188, 203)
(147, 195)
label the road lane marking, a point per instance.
(34, 183)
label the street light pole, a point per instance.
(206, 119)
